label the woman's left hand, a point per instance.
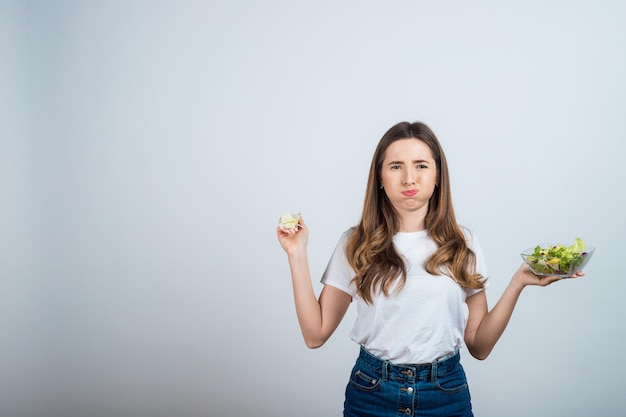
(525, 276)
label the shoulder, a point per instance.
(348, 233)
(345, 236)
(470, 237)
(338, 272)
(467, 232)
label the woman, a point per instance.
(418, 279)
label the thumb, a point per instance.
(301, 219)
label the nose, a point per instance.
(408, 180)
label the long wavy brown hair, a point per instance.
(370, 249)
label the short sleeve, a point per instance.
(481, 264)
(338, 272)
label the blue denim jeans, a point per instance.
(378, 388)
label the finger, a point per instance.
(544, 281)
(283, 232)
(552, 279)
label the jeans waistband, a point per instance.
(387, 369)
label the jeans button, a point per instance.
(409, 390)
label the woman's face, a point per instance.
(409, 175)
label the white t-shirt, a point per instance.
(425, 320)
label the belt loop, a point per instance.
(385, 370)
(433, 372)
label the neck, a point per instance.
(411, 222)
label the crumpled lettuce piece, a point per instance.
(288, 221)
(578, 246)
(557, 259)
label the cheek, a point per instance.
(432, 184)
(430, 180)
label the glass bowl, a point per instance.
(545, 265)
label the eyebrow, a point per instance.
(417, 161)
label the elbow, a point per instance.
(479, 354)
(314, 342)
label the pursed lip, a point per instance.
(409, 193)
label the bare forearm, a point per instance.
(485, 328)
(494, 323)
(307, 305)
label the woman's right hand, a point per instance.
(295, 240)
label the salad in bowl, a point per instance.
(558, 259)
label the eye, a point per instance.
(394, 167)
(421, 166)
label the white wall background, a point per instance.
(148, 149)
